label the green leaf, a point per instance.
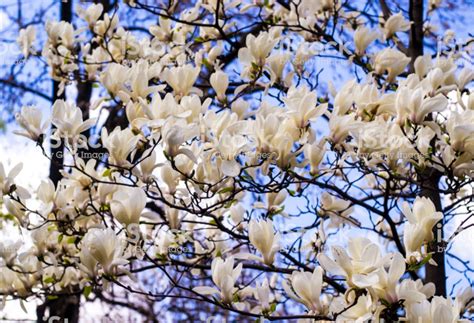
(229, 204)
(417, 266)
(225, 190)
(107, 172)
(60, 238)
(48, 280)
(273, 307)
(199, 40)
(51, 297)
(87, 291)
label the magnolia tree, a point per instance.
(242, 186)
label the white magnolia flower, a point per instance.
(91, 14)
(363, 37)
(181, 79)
(26, 39)
(419, 229)
(9, 250)
(362, 311)
(414, 106)
(360, 266)
(340, 126)
(263, 238)
(465, 77)
(219, 82)
(386, 287)
(460, 127)
(175, 135)
(306, 288)
(120, 144)
(314, 153)
(127, 204)
(301, 104)
(275, 202)
(262, 294)
(258, 48)
(106, 25)
(229, 148)
(60, 33)
(395, 24)
(30, 119)
(67, 118)
(337, 209)
(139, 75)
(391, 61)
(114, 78)
(224, 276)
(105, 247)
(7, 181)
(423, 65)
(439, 310)
(276, 65)
(411, 291)
(237, 212)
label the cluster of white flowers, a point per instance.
(221, 165)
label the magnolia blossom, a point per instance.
(359, 266)
(103, 246)
(363, 37)
(359, 309)
(120, 144)
(7, 181)
(337, 209)
(276, 66)
(61, 33)
(387, 285)
(181, 78)
(413, 106)
(275, 201)
(263, 238)
(26, 39)
(91, 14)
(30, 120)
(419, 229)
(258, 48)
(315, 153)
(219, 82)
(224, 276)
(127, 204)
(14, 208)
(391, 61)
(395, 23)
(306, 289)
(438, 310)
(262, 294)
(301, 105)
(68, 121)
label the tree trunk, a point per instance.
(65, 308)
(429, 178)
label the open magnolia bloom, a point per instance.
(359, 266)
(306, 288)
(419, 229)
(224, 276)
(102, 246)
(30, 120)
(127, 205)
(261, 160)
